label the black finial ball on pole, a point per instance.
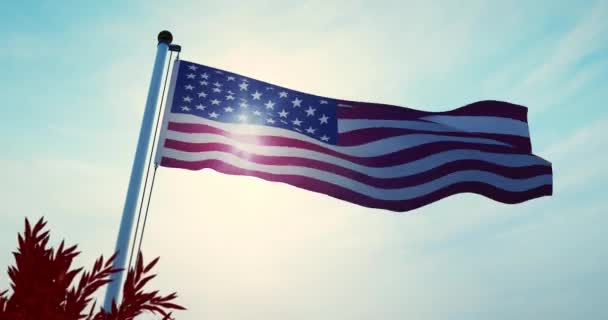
(165, 36)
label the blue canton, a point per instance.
(228, 97)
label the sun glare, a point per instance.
(250, 142)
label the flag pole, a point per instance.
(137, 171)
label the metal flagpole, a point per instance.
(126, 224)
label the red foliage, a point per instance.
(41, 279)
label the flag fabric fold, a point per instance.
(374, 155)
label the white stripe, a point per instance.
(410, 168)
(484, 124)
(407, 193)
(479, 124)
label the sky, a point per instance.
(73, 83)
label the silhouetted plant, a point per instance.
(41, 279)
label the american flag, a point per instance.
(374, 155)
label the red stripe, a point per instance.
(357, 198)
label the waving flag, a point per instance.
(374, 155)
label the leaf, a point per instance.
(41, 237)
(154, 309)
(71, 275)
(111, 260)
(171, 306)
(21, 242)
(139, 266)
(28, 229)
(39, 225)
(151, 265)
(44, 242)
(90, 315)
(143, 282)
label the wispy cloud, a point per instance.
(575, 45)
(563, 72)
(579, 160)
(351, 50)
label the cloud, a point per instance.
(315, 46)
(581, 41)
(569, 66)
(578, 159)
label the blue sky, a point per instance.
(73, 84)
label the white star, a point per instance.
(187, 99)
(189, 87)
(282, 94)
(256, 95)
(311, 130)
(205, 76)
(229, 97)
(217, 84)
(192, 67)
(243, 104)
(243, 117)
(257, 113)
(269, 105)
(296, 122)
(215, 102)
(269, 120)
(202, 94)
(296, 102)
(218, 72)
(323, 102)
(228, 109)
(310, 111)
(324, 119)
(230, 92)
(203, 83)
(218, 90)
(185, 108)
(191, 76)
(230, 78)
(325, 138)
(243, 86)
(213, 115)
(200, 107)
(283, 113)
